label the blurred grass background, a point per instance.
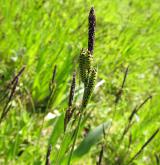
(40, 34)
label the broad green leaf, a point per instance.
(91, 139)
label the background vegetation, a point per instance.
(40, 34)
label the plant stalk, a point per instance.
(75, 137)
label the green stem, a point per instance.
(75, 137)
(58, 157)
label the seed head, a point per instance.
(88, 61)
(91, 29)
(82, 66)
(92, 80)
(85, 65)
(72, 90)
(67, 118)
(89, 88)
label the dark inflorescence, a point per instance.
(91, 29)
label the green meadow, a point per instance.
(49, 115)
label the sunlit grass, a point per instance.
(40, 35)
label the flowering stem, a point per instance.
(75, 136)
